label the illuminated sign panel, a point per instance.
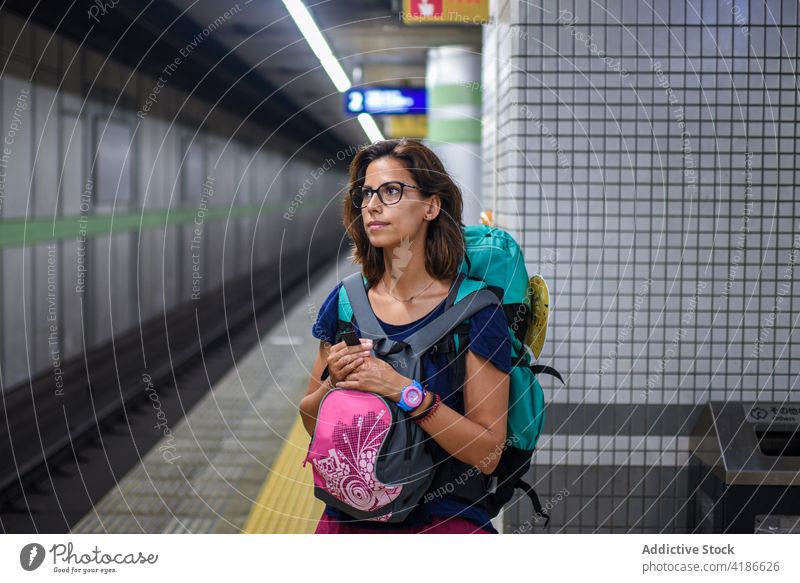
(386, 101)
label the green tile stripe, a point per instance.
(444, 95)
(17, 232)
(454, 130)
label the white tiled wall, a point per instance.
(645, 155)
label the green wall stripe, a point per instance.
(442, 95)
(16, 232)
(454, 130)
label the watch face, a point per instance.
(413, 396)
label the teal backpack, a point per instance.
(492, 272)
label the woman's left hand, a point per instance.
(376, 376)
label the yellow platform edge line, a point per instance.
(286, 502)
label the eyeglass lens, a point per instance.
(389, 193)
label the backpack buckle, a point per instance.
(444, 346)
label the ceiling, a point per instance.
(365, 34)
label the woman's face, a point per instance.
(401, 221)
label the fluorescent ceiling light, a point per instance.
(304, 21)
(302, 17)
(370, 127)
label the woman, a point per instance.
(403, 213)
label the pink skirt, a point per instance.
(439, 525)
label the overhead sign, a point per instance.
(386, 100)
(406, 126)
(446, 11)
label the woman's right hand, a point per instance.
(344, 359)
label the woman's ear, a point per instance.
(433, 208)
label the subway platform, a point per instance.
(233, 464)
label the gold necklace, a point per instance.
(412, 297)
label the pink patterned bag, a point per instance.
(368, 456)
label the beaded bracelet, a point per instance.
(429, 411)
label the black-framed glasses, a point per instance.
(388, 193)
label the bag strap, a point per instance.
(471, 304)
(431, 333)
(537, 505)
(451, 297)
(368, 324)
(543, 368)
(538, 368)
(356, 288)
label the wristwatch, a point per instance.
(412, 396)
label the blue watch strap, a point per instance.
(402, 404)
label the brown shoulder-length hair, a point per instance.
(444, 246)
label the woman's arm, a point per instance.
(309, 404)
(476, 438)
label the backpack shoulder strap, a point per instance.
(344, 319)
(345, 309)
(468, 303)
(452, 295)
(468, 285)
(355, 304)
(355, 286)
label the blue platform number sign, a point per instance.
(386, 101)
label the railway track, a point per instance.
(60, 454)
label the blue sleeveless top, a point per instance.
(488, 337)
